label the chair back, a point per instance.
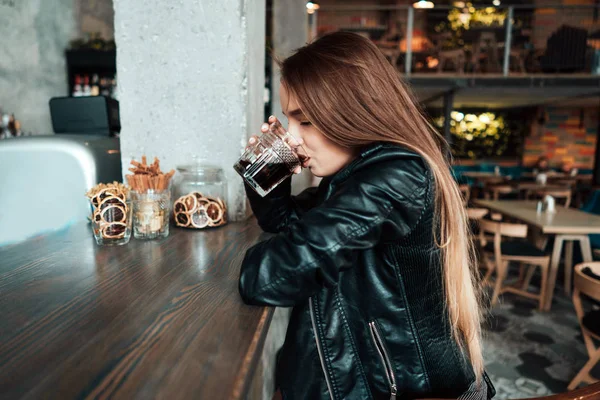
(586, 284)
(503, 228)
(466, 192)
(570, 183)
(500, 189)
(476, 213)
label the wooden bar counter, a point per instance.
(151, 319)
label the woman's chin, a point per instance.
(314, 171)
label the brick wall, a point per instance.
(569, 134)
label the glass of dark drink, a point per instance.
(272, 159)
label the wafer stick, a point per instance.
(148, 177)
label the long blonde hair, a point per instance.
(350, 92)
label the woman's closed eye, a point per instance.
(305, 123)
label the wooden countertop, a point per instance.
(151, 319)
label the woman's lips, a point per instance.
(305, 162)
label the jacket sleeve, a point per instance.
(279, 208)
(293, 265)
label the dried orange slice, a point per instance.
(182, 219)
(113, 214)
(112, 200)
(190, 202)
(114, 231)
(214, 211)
(198, 195)
(180, 206)
(200, 219)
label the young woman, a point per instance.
(377, 260)
(542, 165)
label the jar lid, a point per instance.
(208, 173)
(199, 169)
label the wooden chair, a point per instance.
(591, 392)
(590, 322)
(475, 215)
(496, 191)
(457, 57)
(466, 192)
(486, 48)
(518, 56)
(522, 251)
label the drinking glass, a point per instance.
(271, 160)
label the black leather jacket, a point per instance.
(356, 259)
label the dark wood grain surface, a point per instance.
(151, 319)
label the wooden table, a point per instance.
(151, 319)
(567, 225)
(553, 175)
(533, 187)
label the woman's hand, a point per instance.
(275, 125)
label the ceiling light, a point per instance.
(423, 4)
(312, 6)
(496, 3)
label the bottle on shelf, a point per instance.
(95, 89)
(87, 90)
(113, 91)
(77, 89)
(104, 87)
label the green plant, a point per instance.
(482, 135)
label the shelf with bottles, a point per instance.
(94, 85)
(91, 72)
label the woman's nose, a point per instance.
(293, 129)
(296, 135)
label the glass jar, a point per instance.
(111, 220)
(200, 193)
(151, 214)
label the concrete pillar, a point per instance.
(191, 78)
(290, 31)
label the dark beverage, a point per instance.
(266, 176)
(268, 163)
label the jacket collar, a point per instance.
(369, 154)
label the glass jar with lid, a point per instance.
(200, 192)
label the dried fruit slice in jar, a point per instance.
(198, 195)
(113, 214)
(200, 219)
(180, 206)
(190, 202)
(214, 212)
(114, 231)
(182, 219)
(115, 201)
(104, 193)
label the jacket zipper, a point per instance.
(319, 349)
(385, 360)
